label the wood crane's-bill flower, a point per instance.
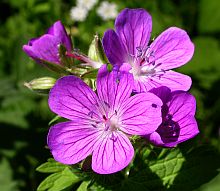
(150, 64)
(46, 47)
(101, 123)
(178, 114)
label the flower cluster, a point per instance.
(140, 96)
(106, 10)
(80, 11)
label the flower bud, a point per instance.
(96, 52)
(41, 85)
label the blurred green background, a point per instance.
(24, 116)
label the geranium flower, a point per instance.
(46, 47)
(179, 123)
(101, 124)
(150, 64)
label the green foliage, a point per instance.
(58, 181)
(6, 180)
(24, 115)
(51, 166)
(207, 50)
(152, 169)
(61, 178)
(209, 16)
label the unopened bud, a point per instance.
(41, 85)
(96, 51)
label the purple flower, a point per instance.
(46, 47)
(101, 124)
(179, 123)
(150, 64)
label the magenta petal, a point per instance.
(58, 30)
(46, 47)
(189, 128)
(163, 92)
(155, 139)
(114, 50)
(43, 48)
(179, 123)
(112, 152)
(133, 27)
(71, 142)
(113, 87)
(182, 105)
(71, 98)
(171, 79)
(141, 114)
(173, 48)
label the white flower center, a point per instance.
(143, 64)
(111, 123)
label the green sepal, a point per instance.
(55, 67)
(41, 85)
(66, 61)
(96, 51)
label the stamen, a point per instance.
(104, 117)
(74, 55)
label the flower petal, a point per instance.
(43, 48)
(71, 142)
(133, 27)
(114, 49)
(173, 48)
(182, 105)
(73, 99)
(58, 30)
(155, 139)
(171, 79)
(141, 114)
(112, 152)
(188, 129)
(113, 87)
(163, 92)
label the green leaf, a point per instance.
(173, 169)
(213, 185)
(51, 166)
(6, 177)
(83, 186)
(201, 165)
(16, 105)
(58, 181)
